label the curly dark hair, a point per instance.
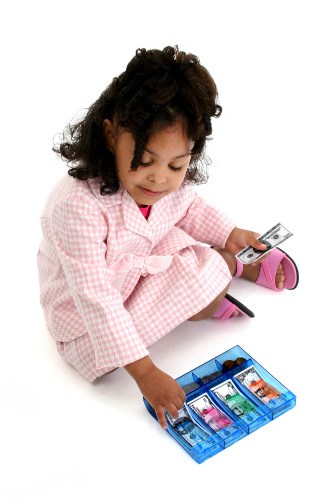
(158, 89)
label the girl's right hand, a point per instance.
(159, 389)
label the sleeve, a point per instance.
(206, 223)
(79, 230)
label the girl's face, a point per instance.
(163, 165)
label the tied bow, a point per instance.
(152, 264)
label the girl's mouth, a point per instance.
(149, 193)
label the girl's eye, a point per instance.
(145, 164)
(149, 163)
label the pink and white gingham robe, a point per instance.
(101, 319)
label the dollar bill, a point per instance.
(230, 395)
(251, 379)
(213, 416)
(272, 238)
(185, 427)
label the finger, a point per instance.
(251, 238)
(159, 410)
(178, 402)
(171, 408)
(257, 244)
(182, 395)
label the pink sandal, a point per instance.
(269, 267)
(227, 307)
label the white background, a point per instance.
(62, 437)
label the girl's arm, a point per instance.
(159, 389)
(206, 223)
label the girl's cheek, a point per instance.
(132, 173)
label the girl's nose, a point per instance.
(158, 176)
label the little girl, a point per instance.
(129, 249)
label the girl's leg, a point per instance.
(196, 278)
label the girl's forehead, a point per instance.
(173, 137)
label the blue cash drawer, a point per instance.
(227, 398)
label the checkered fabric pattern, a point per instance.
(98, 327)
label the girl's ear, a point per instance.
(110, 133)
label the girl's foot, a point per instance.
(277, 271)
(251, 272)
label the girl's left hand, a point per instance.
(240, 238)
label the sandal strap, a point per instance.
(239, 269)
(228, 305)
